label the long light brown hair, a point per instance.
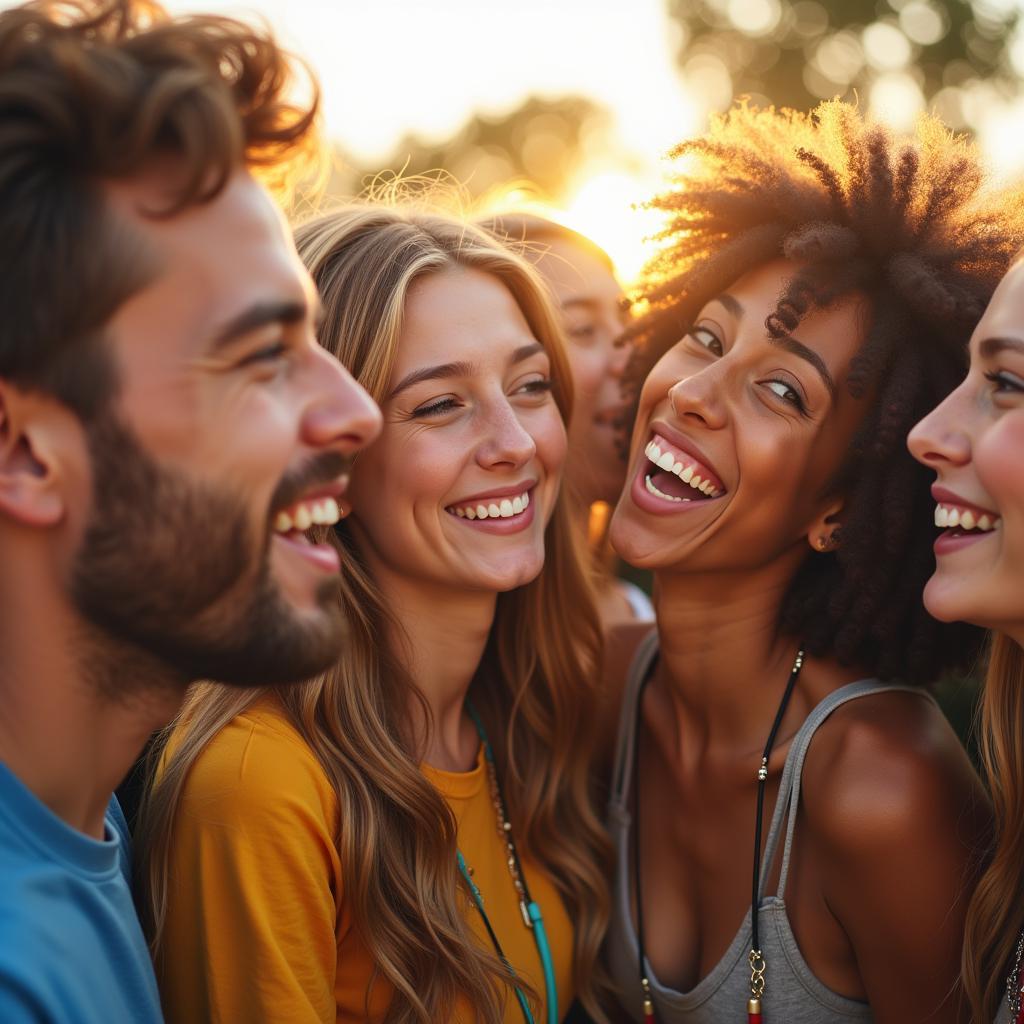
(995, 917)
(532, 687)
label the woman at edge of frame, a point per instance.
(371, 912)
(974, 441)
(817, 286)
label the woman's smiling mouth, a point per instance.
(670, 478)
(507, 510)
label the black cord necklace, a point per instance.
(755, 957)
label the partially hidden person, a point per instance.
(595, 314)
(974, 443)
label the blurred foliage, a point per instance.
(543, 142)
(947, 55)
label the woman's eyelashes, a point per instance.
(787, 392)
(1005, 383)
(706, 338)
(435, 408)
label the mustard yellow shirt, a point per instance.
(258, 927)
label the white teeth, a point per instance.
(311, 513)
(661, 494)
(503, 508)
(665, 460)
(950, 516)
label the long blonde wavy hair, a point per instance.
(532, 688)
(995, 917)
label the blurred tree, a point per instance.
(900, 56)
(541, 142)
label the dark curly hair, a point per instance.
(93, 91)
(909, 225)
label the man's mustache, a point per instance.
(321, 469)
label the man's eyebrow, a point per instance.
(991, 347)
(457, 369)
(798, 348)
(255, 317)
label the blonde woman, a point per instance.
(379, 843)
(974, 441)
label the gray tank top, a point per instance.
(793, 994)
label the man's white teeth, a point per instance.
(504, 508)
(661, 494)
(948, 516)
(665, 460)
(309, 513)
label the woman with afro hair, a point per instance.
(818, 284)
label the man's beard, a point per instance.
(170, 568)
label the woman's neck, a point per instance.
(440, 641)
(723, 664)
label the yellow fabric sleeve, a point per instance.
(255, 883)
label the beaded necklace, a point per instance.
(755, 957)
(528, 907)
(1014, 985)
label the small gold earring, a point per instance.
(822, 543)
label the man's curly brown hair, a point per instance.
(93, 91)
(906, 223)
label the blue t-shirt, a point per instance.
(71, 948)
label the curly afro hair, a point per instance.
(906, 223)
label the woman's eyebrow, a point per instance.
(798, 348)
(438, 372)
(991, 347)
(458, 369)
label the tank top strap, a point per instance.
(789, 788)
(643, 659)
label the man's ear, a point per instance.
(824, 532)
(33, 436)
